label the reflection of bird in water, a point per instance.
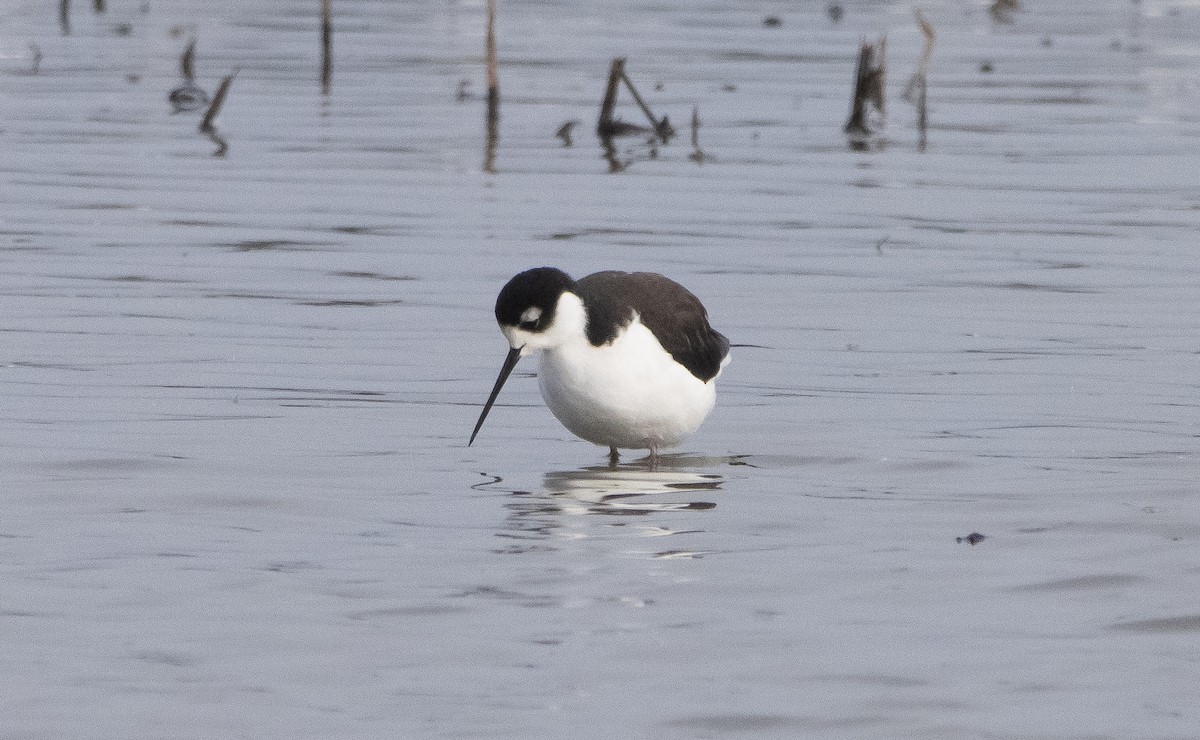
(628, 360)
(623, 490)
(596, 503)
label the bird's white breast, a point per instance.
(629, 393)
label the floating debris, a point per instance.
(36, 62)
(772, 21)
(972, 539)
(1002, 10)
(187, 98)
(564, 132)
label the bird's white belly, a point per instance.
(630, 393)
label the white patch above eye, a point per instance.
(531, 315)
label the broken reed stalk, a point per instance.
(922, 121)
(878, 86)
(930, 37)
(64, 16)
(697, 154)
(326, 45)
(920, 77)
(214, 108)
(37, 58)
(493, 90)
(868, 86)
(638, 98)
(493, 74)
(605, 126)
(187, 61)
(608, 125)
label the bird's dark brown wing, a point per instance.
(669, 310)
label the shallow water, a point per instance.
(237, 389)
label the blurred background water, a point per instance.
(237, 389)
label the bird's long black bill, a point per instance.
(510, 362)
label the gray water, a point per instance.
(236, 390)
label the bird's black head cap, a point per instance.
(539, 289)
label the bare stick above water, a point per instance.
(64, 16)
(493, 91)
(98, 6)
(214, 109)
(493, 74)
(868, 86)
(37, 58)
(187, 61)
(638, 98)
(922, 69)
(697, 154)
(608, 125)
(326, 45)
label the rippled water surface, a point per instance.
(236, 389)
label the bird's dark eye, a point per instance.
(528, 325)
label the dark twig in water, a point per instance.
(609, 126)
(207, 126)
(36, 64)
(564, 132)
(64, 16)
(868, 87)
(187, 61)
(98, 6)
(188, 97)
(697, 154)
(210, 116)
(915, 92)
(493, 91)
(326, 45)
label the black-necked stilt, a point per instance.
(628, 358)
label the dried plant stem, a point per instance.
(493, 90)
(493, 74)
(868, 86)
(916, 91)
(214, 108)
(326, 45)
(608, 125)
(638, 98)
(187, 61)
